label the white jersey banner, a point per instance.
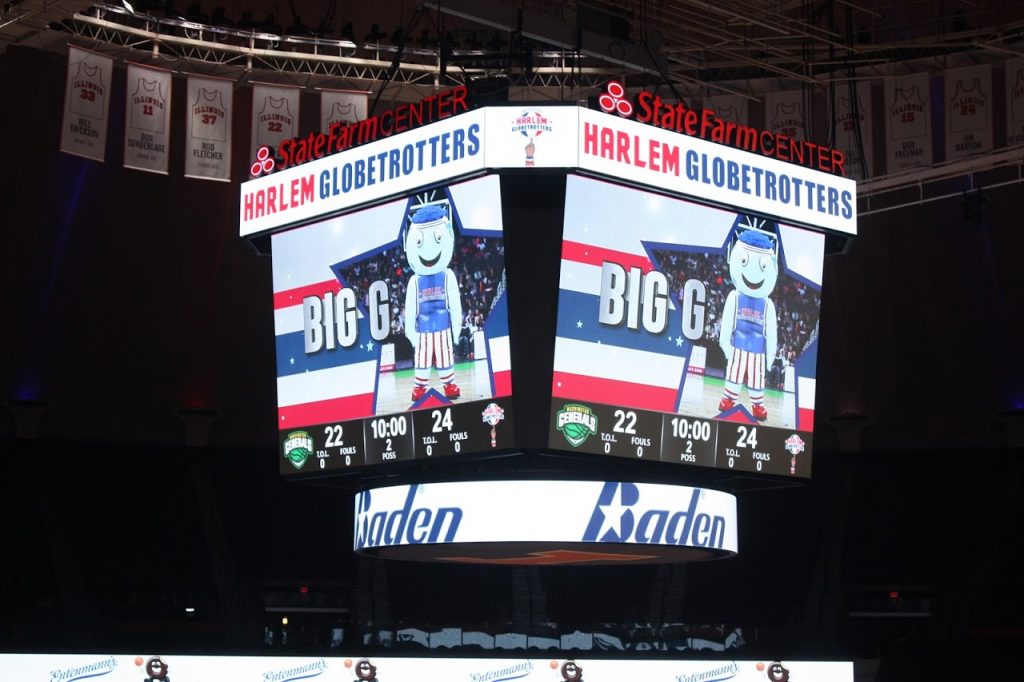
(968, 111)
(147, 119)
(275, 116)
(86, 104)
(208, 129)
(850, 116)
(729, 108)
(908, 123)
(1015, 101)
(338, 107)
(784, 113)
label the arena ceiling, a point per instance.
(702, 47)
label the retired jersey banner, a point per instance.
(147, 124)
(1015, 101)
(275, 116)
(908, 123)
(86, 104)
(853, 116)
(784, 114)
(729, 108)
(968, 111)
(208, 129)
(338, 107)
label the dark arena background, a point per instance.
(147, 507)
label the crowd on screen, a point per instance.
(796, 304)
(478, 264)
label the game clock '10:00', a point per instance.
(643, 435)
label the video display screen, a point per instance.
(685, 333)
(391, 331)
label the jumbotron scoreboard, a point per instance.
(685, 333)
(688, 292)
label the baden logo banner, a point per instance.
(853, 129)
(147, 121)
(548, 513)
(208, 129)
(339, 107)
(908, 122)
(275, 116)
(968, 101)
(86, 104)
(1014, 101)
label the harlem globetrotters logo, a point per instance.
(491, 415)
(577, 423)
(531, 124)
(298, 447)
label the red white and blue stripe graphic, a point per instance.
(342, 384)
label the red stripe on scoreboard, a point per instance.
(502, 384)
(325, 411)
(627, 393)
(290, 297)
(595, 255)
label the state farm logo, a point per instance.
(264, 163)
(613, 100)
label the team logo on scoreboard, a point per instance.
(577, 423)
(531, 124)
(298, 447)
(491, 415)
(794, 445)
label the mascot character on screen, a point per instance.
(433, 303)
(749, 335)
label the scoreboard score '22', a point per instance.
(685, 333)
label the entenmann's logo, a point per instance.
(81, 672)
(512, 672)
(298, 447)
(298, 672)
(405, 526)
(577, 423)
(723, 672)
(619, 516)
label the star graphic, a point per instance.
(679, 342)
(291, 361)
(369, 346)
(579, 324)
(612, 516)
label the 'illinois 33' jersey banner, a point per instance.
(785, 113)
(341, 107)
(208, 128)
(853, 129)
(86, 104)
(968, 101)
(908, 122)
(147, 123)
(275, 115)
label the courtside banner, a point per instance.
(532, 137)
(351, 665)
(635, 152)
(86, 104)
(208, 129)
(418, 158)
(546, 522)
(147, 121)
